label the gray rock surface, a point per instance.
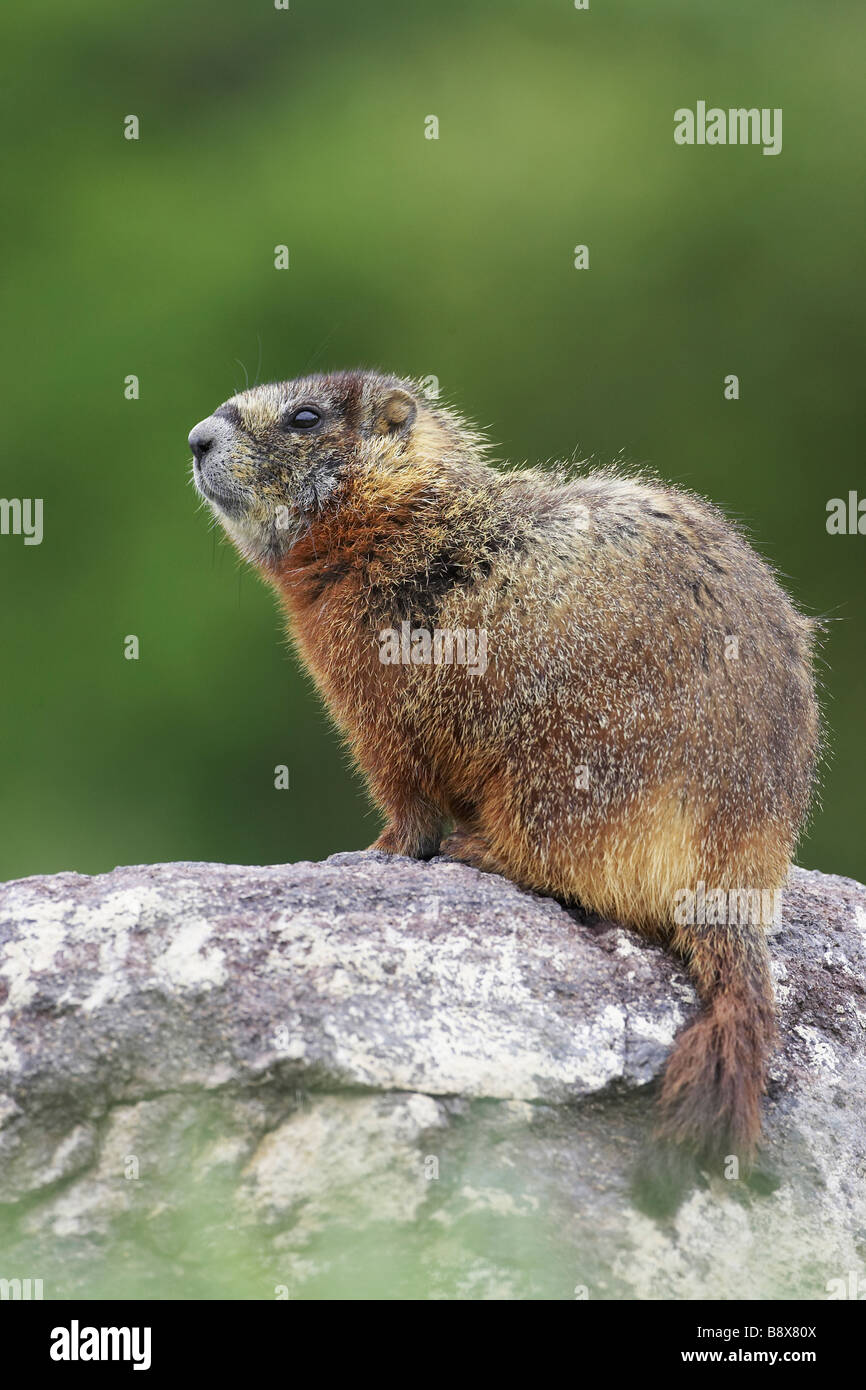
(373, 1077)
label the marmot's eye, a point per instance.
(303, 419)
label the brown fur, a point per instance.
(608, 602)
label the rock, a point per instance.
(374, 1077)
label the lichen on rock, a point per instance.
(385, 1077)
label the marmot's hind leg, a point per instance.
(415, 824)
(470, 847)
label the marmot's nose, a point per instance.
(201, 438)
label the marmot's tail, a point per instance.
(710, 1100)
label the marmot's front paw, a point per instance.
(469, 848)
(393, 840)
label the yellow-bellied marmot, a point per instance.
(640, 736)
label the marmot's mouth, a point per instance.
(227, 502)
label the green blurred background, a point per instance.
(449, 257)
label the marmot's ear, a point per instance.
(394, 412)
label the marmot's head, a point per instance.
(274, 457)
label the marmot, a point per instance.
(641, 736)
